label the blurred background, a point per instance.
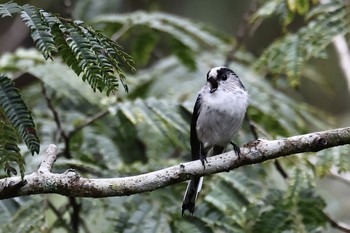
(331, 94)
(316, 97)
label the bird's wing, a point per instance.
(195, 143)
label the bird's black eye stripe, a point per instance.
(224, 77)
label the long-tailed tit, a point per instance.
(217, 116)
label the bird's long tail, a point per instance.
(195, 186)
(192, 191)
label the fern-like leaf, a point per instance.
(85, 50)
(287, 55)
(275, 220)
(81, 46)
(27, 217)
(299, 209)
(186, 36)
(7, 9)
(40, 30)
(9, 150)
(18, 114)
(144, 44)
(144, 218)
(112, 53)
(160, 116)
(69, 56)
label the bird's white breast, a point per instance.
(220, 116)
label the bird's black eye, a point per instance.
(224, 77)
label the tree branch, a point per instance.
(50, 157)
(71, 184)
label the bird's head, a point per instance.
(224, 77)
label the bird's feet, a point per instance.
(203, 159)
(236, 149)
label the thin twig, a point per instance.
(53, 110)
(74, 216)
(60, 131)
(251, 127)
(88, 122)
(242, 31)
(59, 215)
(120, 32)
(281, 170)
(277, 164)
(84, 225)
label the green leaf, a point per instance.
(288, 55)
(18, 114)
(266, 10)
(273, 221)
(143, 45)
(143, 219)
(27, 216)
(300, 6)
(65, 83)
(68, 56)
(159, 117)
(191, 225)
(185, 37)
(9, 150)
(303, 6)
(299, 209)
(40, 30)
(85, 50)
(7, 9)
(184, 54)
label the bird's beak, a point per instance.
(213, 84)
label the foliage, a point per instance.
(300, 209)
(287, 11)
(148, 128)
(288, 54)
(23, 220)
(14, 118)
(86, 51)
(185, 37)
(9, 148)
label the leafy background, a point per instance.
(287, 62)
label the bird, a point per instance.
(217, 116)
